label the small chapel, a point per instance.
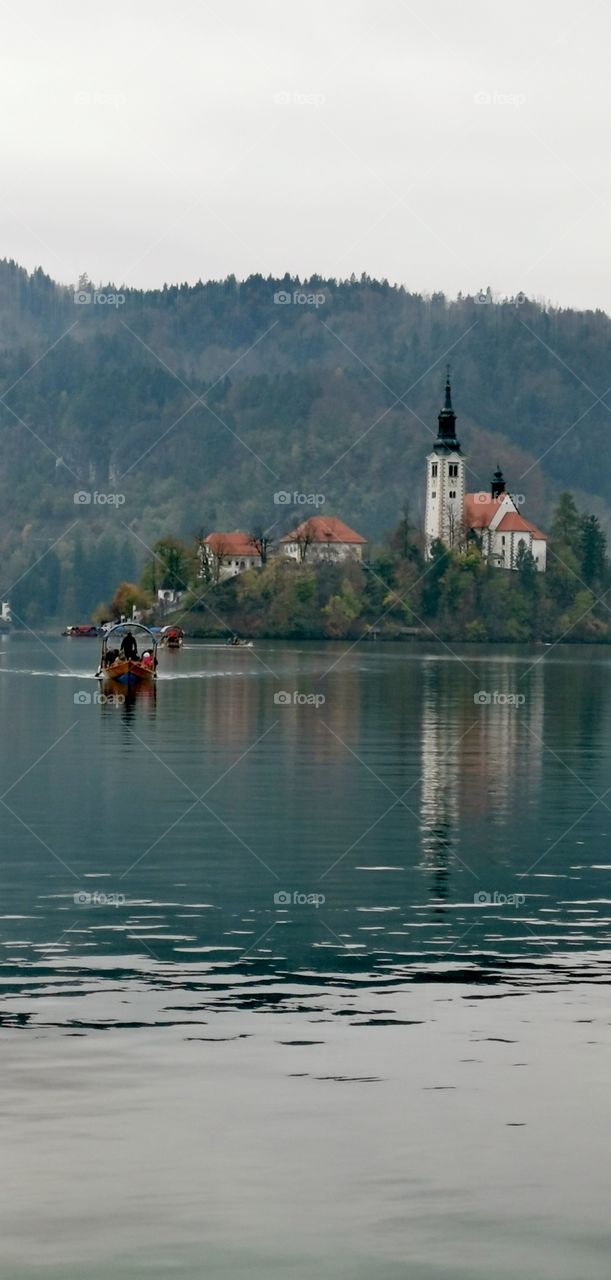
(492, 518)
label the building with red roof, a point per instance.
(452, 516)
(502, 532)
(322, 538)
(230, 553)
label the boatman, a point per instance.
(129, 648)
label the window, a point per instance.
(452, 493)
(434, 469)
(453, 470)
(503, 539)
(434, 495)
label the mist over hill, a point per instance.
(186, 409)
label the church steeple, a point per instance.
(445, 482)
(446, 431)
(498, 483)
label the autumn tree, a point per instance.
(127, 597)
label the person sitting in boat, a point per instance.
(129, 648)
(147, 659)
(111, 656)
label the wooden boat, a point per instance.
(128, 671)
(83, 630)
(228, 644)
(171, 637)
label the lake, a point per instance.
(305, 963)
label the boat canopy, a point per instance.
(124, 627)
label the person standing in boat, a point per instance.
(129, 648)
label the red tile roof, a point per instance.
(231, 544)
(514, 523)
(324, 529)
(480, 509)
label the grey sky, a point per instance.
(446, 145)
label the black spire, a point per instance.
(446, 433)
(448, 400)
(498, 483)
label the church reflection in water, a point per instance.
(480, 755)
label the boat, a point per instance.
(230, 644)
(84, 629)
(114, 666)
(244, 644)
(171, 637)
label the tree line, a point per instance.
(398, 592)
(193, 398)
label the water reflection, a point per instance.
(400, 798)
(127, 697)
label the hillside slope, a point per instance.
(195, 404)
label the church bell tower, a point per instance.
(445, 481)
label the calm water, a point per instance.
(307, 987)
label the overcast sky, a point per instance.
(445, 144)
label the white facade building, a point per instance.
(228, 554)
(323, 538)
(493, 519)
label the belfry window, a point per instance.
(453, 470)
(434, 469)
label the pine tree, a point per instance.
(592, 550)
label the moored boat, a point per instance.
(86, 630)
(126, 665)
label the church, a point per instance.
(453, 516)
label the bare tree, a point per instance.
(218, 553)
(456, 531)
(261, 541)
(304, 539)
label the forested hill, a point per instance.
(197, 403)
